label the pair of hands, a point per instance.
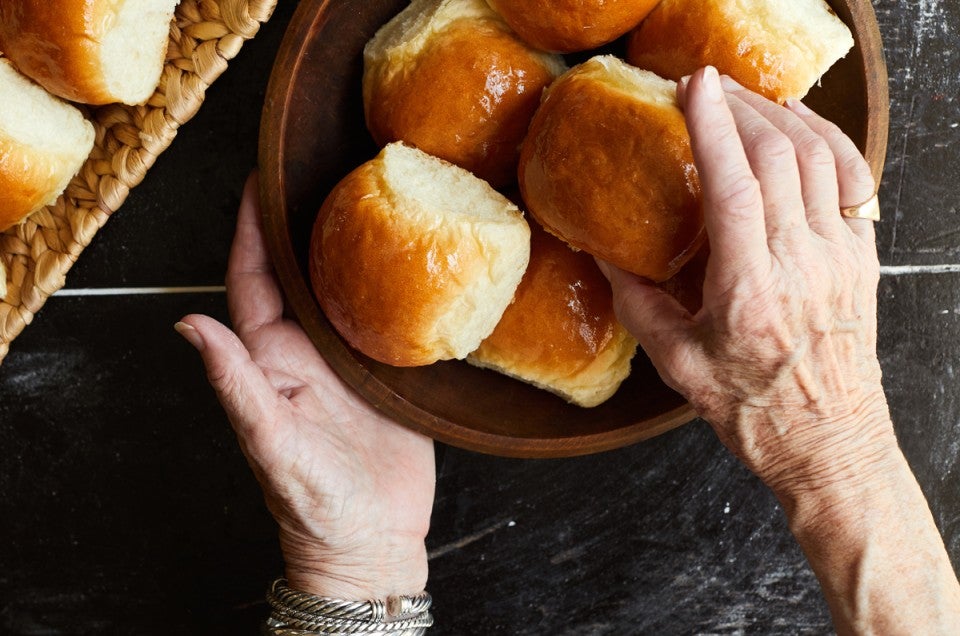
(781, 359)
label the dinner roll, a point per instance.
(414, 260)
(89, 51)
(561, 334)
(43, 144)
(566, 26)
(778, 48)
(607, 167)
(450, 77)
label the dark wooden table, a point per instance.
(126, 506)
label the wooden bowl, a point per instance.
(313, 133)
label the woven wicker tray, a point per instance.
(204, 37)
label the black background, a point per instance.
(126, 506)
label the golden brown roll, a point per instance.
(414, 260)
(561, 334)
(778, 48)
(607, 167)
(565, 26)
(450, 77)
(43, 144)
(89, 51)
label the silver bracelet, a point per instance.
(297, 613)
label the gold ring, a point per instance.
(869, 209)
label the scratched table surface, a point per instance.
(126, 506)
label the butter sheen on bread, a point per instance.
(89, 51)
(414, 260)
(778, 48)
(561, 333)
(43, 144)
(607, 167)
(451, 78)
(566, 26)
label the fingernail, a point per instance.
(711, 84)
(684, 81)
(190, 334)
(799, 107)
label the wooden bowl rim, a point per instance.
(307, 18)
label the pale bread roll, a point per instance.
(89, 51)
(607, 167)
(43, 144)
(561, 333)
(414, 260)
(451, 78)
(565, 26)
(778, 48)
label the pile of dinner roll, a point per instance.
(89, 52)
(424, 253)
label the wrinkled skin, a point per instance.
(351, 490)
(781, 358)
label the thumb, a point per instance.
(662, 326)
(249, 399)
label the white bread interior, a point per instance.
(134, 47)
(32, 117)
(808, 27)
(436, 196)
(398, 43)
(589, 386)
(414, 260)
(616, 74)
(43, 143)
(779, 48)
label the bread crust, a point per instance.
(28, 181)
(467, 95)
(613, 175)
(58, 46)
(61, 46)
(32, 177)
(389, 275)
(681, 36)
(566, 26)
(561, 333)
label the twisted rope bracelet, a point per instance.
(297, 613)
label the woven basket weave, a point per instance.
(204, 37)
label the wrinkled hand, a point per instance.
(351, 490)
(781, 359)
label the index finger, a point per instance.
(253, 297)
(732, 202)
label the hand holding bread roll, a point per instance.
(778, 48)
(451, 78)
(89, 51)
(414, 260)
(607, 167)
(560, 333)
(43, 144)
(566, 26)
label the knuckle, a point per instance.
(772, 146)
(854, 167)
(830, 130)
(741, 197)
(816, 150)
